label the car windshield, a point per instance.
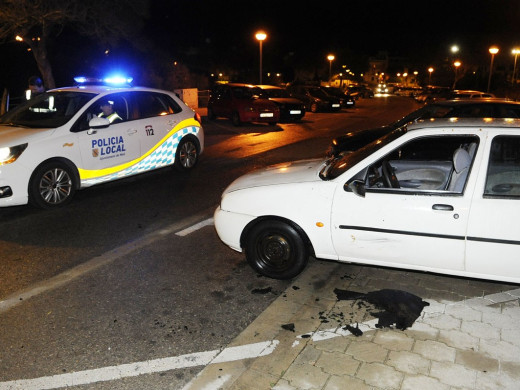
(275, 93)
(426, 112)
(48, 110)
(337, 166)
(319, 93)
(246, 92)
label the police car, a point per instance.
(441, 196)
(63, 140)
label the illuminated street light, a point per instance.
(331, 58)
(430, 71)
(492, 50)
(515, 52)
(18, 38)
(260, 36)
(456, 64)
(454, 49)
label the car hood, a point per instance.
(291, 172)
(286, 100)
(12, 135)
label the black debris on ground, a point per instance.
(397, 307)
(288, 327)
(355, 331)
(262, 290)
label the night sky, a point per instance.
(209, 35)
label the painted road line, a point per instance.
(230, 354)
(195, 227)
(59, 280)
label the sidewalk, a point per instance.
(467, 338)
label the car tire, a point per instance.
(314, 107)
(211, 115)
(235, 119)
(52, 185)
(275, 249)
(187, 154)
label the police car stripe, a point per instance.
(161, 155)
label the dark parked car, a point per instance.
(242, 103)
(345, 99)
(469, 108)
(314, 98)
(360, 91)
(291, 109)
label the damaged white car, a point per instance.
(439, 196)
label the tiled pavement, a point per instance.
(467, 338)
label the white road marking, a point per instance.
(110, 373)
(195, 227)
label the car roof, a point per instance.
(241, 85)
(101, 89)
(465, 122)
(461, 102)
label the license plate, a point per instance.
(335, 105)
(295, 112)
(266, 115)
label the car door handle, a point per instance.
(131, 131)
(443, 207)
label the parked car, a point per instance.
(344, 97)
(433, 93)
(314, 98)
(241, 103)
(360, 91)
(468, 94)
(438, 196)
(291, 109)
(57, 143)
(469, 108)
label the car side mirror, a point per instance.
(356, 186)
(98, 123)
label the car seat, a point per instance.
(461, 163)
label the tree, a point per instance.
(37, 22)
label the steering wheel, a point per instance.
(389, 177)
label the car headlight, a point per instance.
(10, 154)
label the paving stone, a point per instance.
(393, 340)
(442, 321)
(254, 380)
(336, 344)
(500, 297)
(422, 331)
(346, 382)
(467, 313)
(306, 376)
(477, 361)
(338, 363)
(408, 362)
(283, 385)
(511, 369)
(367, 352)
(480, 330)
(500, 349)
(458, 339)
(435, 350)
(494, 381)
(309, 355)
(435, 307)
(453, 374)
(380, 375)
(495, 318)
(510, 335)
(423, 383)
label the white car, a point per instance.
(440, 196)
(57, 142)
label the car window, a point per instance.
(245, 92)
(425, 164)
(508, 111)
(48, 110)
(503, 173)
(150, 104)
(120, 103)
(474, 111)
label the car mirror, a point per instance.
(356, 186)
(98, 123)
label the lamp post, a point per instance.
(330, 57)
(515, 52)
(492, 50)
(260, 36)
(456, 64)
(430, 71)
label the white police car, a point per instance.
(60, 141)
(440, 196)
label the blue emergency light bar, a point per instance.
(112, 80)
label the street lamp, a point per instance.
(260, 36)
(456, 64)
(492, 50)
(454, 49)
(515, 52)
(430, 71)
(331, 58)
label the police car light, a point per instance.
(118, 80)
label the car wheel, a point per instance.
(52, 185)
(276, 249)
(235, 119)
(314, 107)
(187, 154)
(211, 114)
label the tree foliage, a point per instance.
(37, 22)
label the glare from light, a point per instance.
(493, 50)
(260, 35)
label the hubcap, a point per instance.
(275, 251)
(55, 186)
(188, 155)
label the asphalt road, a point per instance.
(107, 281)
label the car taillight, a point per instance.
(197, 118)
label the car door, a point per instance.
(419, 226)
(107, 151)
(493, 243)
